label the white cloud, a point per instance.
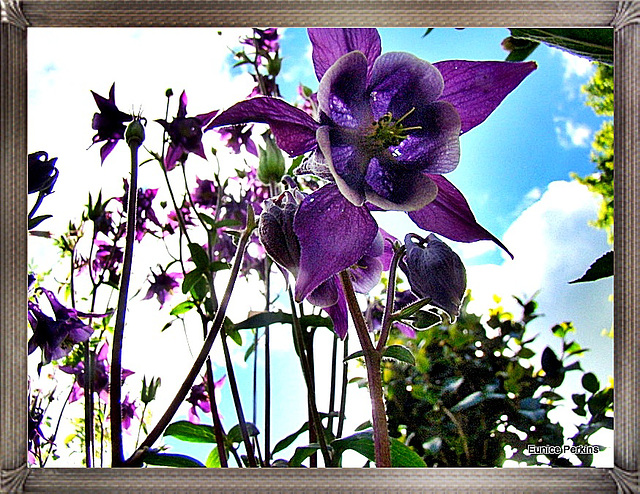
(571, 134)
(575, 66)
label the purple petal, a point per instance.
(106, 149)
(182, 106)
(395, 189)
(346, 163)
(174, 154)
(330, 44)
(400, 80)
(333, 234)
(294, 130)
(205, 118)
(342, 92)
(408, 331)
(365, 274)
(449, 215)
(338, 314)
(477, 88)
(326, 294)
(387, 254)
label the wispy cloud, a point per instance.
(571, 134)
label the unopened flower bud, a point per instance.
(271, 162)
(435, 272)
(135, 133)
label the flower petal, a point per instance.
(365, 274)
(346, 163)
(395, 189)
(330, 44)
(333, 234)
(449, 215)
(399, 80)
(294, 130)
(477, 88)
(338, 314)
(342, 92)
(326, 294)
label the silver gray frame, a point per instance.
(17, 17)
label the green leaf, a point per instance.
(219, 266)
(601, 268)
(302, 453)
(213, 460)
(357, 354)
(249, 351)
(182, 308)
(199, 256)
(234, 335)
(362, 442)
(190, 279)
(590, 382)
(287, 441)
(171, 460)
(263, 319)
(526, 353)
(426, 33)
(193, 433)
(33, 222)
(399, 352)
(235, 434)
(468, 402)
(519, 49)
(595, 44)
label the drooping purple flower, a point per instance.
(237, 136)
(109, 122)
(199, 398)
(205, 194)
(128, 412)
(42, 173)
(100, 375)
(162, 286)
(185, 134)
(388, 127)
(55, 335)
(435, 272)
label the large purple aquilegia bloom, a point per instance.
(388, 128)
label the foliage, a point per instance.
(476, 388)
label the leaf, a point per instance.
(519, 49)
(193, 433)
(590, 382)
(199, 256)
(526, 353)
(171, 460)
(219, 266)
(357, 354)
(267, 318)
(235, 434)
(213, 460)
(401, 353)
(33, 222)
(182, 308)
(468, 402)
(249, 351)
(302, 453)
(595, 44)
(190, 279)
(601, 268)
(287, 441)
(428, 31)
(362, 442)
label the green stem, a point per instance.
(373, 361)
(332, 391)
(343, 394)
(117, 455)
(306, 371)
(162, 424)
(391, 296)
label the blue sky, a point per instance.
(514, 172)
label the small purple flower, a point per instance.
(42, 173)
(109, 122)
(55, 336)
(162, 286)
(236, 136)
(108, 258)
(199, 398)
(435, 272)
(128, 412)
(145, 209)
(173, 222)
(100, 375)
(205, 194)
(185, 134)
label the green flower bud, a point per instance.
(149, 392)
(135, 133)
(271, 162)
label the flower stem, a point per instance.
(117, 455)
(391, 296)
(373, 361)
(162, 424)
(343, 394)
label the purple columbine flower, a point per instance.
(128, 412)
(435, 272)
(145, 209)
(388, 127)
(237, 136)
(185, 134)
(205, 194)
(162, 286)
(108, 258)
(42, 173)
(55, 336)
(100, 375)
(109, 122)
(199, 398)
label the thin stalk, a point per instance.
(233, 384)
(391, 296)
(332, 391)
(343, 394)
(311, 393)
(373, 360)
(217, 424)
(88, 404)
(204, 352)
(117, 455)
